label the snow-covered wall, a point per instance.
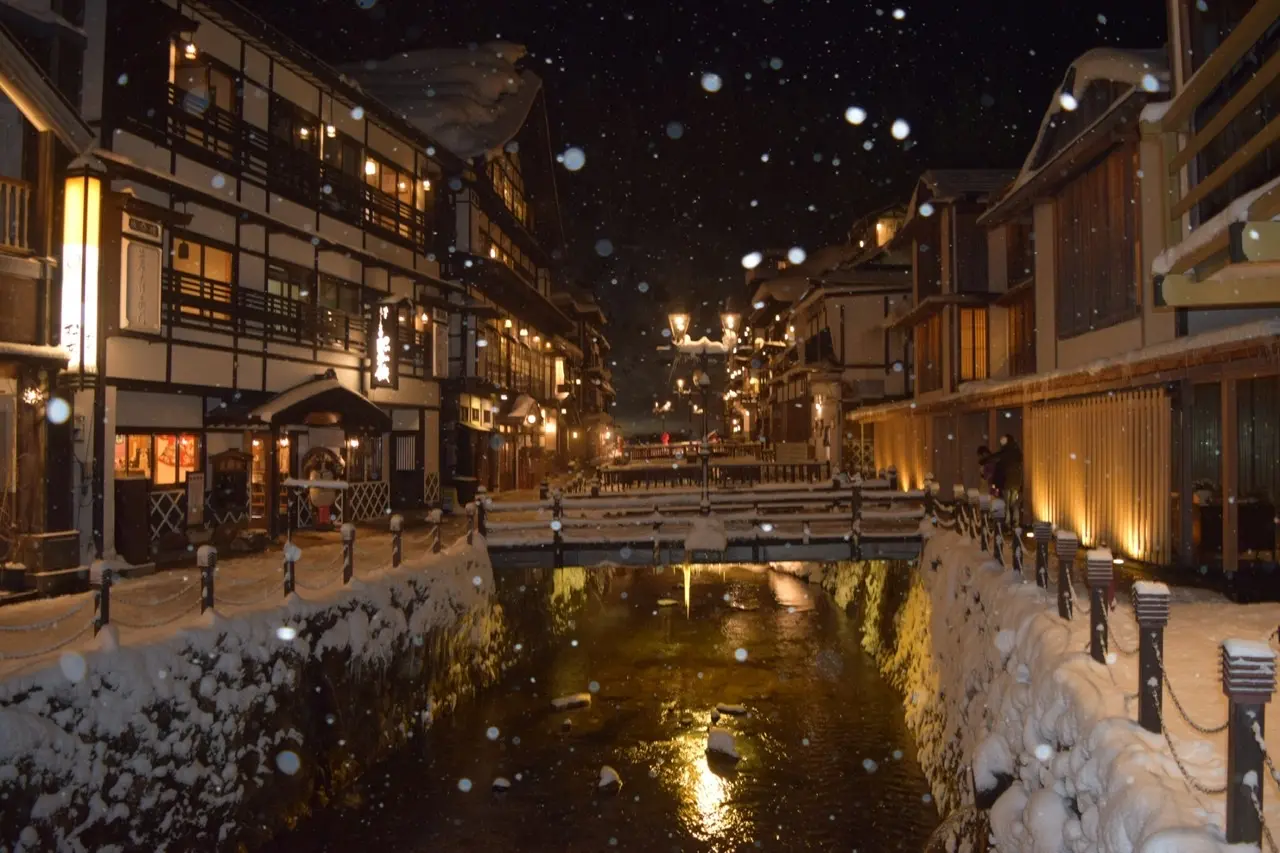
(999, 693)
(223, 735)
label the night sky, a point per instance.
(971, 77)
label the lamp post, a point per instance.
(661, 410)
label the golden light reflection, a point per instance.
(706, 805)
(688, 574)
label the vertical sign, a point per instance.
(195, 499)
(80, 235)
(385, 356)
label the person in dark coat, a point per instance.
(1007, 479)
(986, 465)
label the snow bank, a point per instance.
(1001, 692)
(706, 533)
(217, 736)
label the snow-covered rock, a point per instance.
(609, 778)
(720, 742)
(501, 784)
(573, 700)
(732, 710)
(667, 602)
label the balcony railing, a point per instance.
(191, 301)
(15, 215)
(1223, 129)
(236, 144)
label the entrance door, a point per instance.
(406, 472)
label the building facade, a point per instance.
(1130, 319)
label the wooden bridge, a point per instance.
(837, 520)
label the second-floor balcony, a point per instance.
(1221, 143)
(15, 216)
(194, 302)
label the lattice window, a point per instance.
(431, 488)
(168, 511)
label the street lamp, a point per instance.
(679, 325)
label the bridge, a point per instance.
(818, 522)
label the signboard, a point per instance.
(195, 499)
(384, 353)
(440, 350)
(140, 307)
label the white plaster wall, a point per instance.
(1103, 343)
(132, 358)
(195, 366)
(144, 409)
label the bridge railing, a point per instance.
(842, 513)
(723, 473)
(1247, 666)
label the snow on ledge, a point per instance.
(706, 534)
(1207, 232)
(1252, 650)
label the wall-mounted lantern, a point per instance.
(81, 239)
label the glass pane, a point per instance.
(186, 257)
(223, 93)
(139, 455)
(166, 461)
(217, 265)
(122, 456)
(188, 455)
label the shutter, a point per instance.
(406, 452)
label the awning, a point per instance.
(931, 305)
(322, 401)
(522, 407)
(34, 353)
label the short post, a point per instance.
(1098, 572)
(595, 486)
(1151, 609)
(957, 508)
(893, 478)
(207, 560)
(437, 543)
(292, 553)
(482, 506)
(1043, 533)
(998, 510)
(544, 489)
(397, 539)
(471, 523)
(104, 601)
(557, 528)
(1066, 544)
(984, 520)
(1248, 679)
(974, 519)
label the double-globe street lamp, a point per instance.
(703, 349)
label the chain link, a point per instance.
(1177, 759)
(117, 599)
(1262, 820)
(187, 611)
(47, 623)
(267, 596)
(1204, 730)
(44, 651)
(1113, 640)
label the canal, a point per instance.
(826, 760)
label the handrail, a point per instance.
(1194, 91)
(15, 214)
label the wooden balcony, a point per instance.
(1221, 141)
(15, 216)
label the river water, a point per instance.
(826, 759)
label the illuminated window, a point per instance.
(972, 363)
(164, 459)
(201, 275)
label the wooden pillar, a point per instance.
(1185, 484)
(273, 482)
(1230, 478)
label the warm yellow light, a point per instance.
(575, 433)
(549, 428)
(531, 419)
(257, 443)
(353, 443)
(506, 324)
(537, 340)
(81, 228)
(730, 321)
(425, 319)
(284, 441)
(330, 131)
(402, 186)
(493, 251)
(370, 167)
(304, 132)
(189, 50)
(426, 183)
(524, 333)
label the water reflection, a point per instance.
(815, 710)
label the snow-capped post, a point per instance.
(103, 617)
(972, 510)
(557, 525)
(1151, 609)
(482, 498)
(397, 541)
(893, 478)
(1043, 533)
(207, 560)
(291, 555)
(595, 486)
(957, 508)
(544, 489)
(437, 542)
(998, 510)
(471, 523)
(1098, 571)
(1248, 679)
(1065, 546)
(984, 520)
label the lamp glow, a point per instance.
(81, 230)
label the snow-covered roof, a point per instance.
(950, 184)
(1144, 71)
(34, 352)
(472, 101)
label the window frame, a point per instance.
(972, 359)
(153, 436)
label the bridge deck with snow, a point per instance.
(800, 522)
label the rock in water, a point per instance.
(667, 602)
(501, 785)
(732, 710)
(609, 779)
(720, 742)
(576, 700)
(715, 716)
